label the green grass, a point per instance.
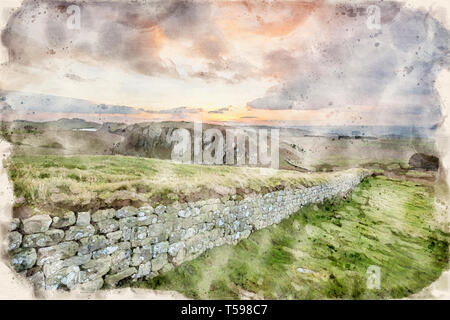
(386, 223)
(53, 183)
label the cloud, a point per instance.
(395, 67)
(175, 111)
(221, 110)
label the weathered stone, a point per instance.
(129, 222)
(36, 224)
(90, 286)
(38, 280)
(186, 213)
(23, 259)
(126, 212)
(50, 268)
(77, 232)
(68, 277)
(146, 220)
(113, 279)
(103, 215)
(141, 255)
(159, 262)
(92, 244)
(65, 220)
(107, 225)
(120, 260)
(143, 242)
(159, 248)
(175, 248)
(83, 219)
(140, 233)
(48, 238)
(62, 250)
(14, 240)
(95, 269)
(144, 270)
(145, 211)
(77, 260)
(159, 210)
(111, 249)
(189, 233)
(114, 236)
(14, 224)
(179, 257)
(158, 231)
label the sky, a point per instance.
(284, 63)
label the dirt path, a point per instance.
(440, 289)
(15, 287)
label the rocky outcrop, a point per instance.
(84, 251)
(424, 162)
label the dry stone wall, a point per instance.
(89, 251)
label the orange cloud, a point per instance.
(275, 19)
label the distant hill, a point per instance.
(61, 124)
(25, 102)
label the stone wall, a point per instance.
(89, 251)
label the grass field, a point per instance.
(57, 183)
(386, 223)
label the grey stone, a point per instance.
(48, 238)
(77, 260)
(38, 280)
(159, 248)
(103, 215)
(23, 259)
(65, 220)
(14, 224)
(111, 249)
(68, 277)
(158, 231)
(145, 211)
(77, 232)
(143, 242)
(92, 243)
(114, 236)
(14, 240)
(107, 225)
(144, 270)
(186, 213)
(62, 250)
(129, 222)
(159, 262)
(113, 279)
(83, 219)
(36, 224)
(189, 233)
(126, 212)
(141, 255)
(90, 286)
(159, 210)
(140, 233)
(95, 269)
(146, 220)
(120, 260)
(175, 248)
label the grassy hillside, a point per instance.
(90, 182)
(386, 223)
